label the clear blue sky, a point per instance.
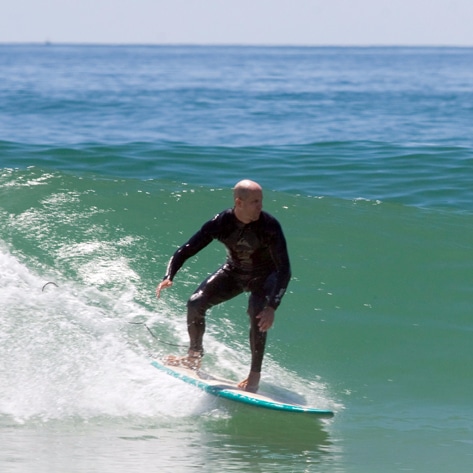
(288, 22)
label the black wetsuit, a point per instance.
(257, 262)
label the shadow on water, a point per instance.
(278, 393)
(253, 440)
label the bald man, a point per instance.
(257, 262)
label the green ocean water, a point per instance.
(375, 326)
(100, 184)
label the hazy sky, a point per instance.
(291, 22)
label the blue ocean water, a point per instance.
(112, 156)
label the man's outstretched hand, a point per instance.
(163, 285)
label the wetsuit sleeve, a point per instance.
(196, 243)
(282, 275)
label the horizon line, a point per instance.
(239, 45)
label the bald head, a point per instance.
(248, 197)
(243, 189)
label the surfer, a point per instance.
(257, 262)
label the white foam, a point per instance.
(65, 352)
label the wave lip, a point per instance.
(428, 176)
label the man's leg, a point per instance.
(217, 288)
(257, 302)
(257, 344)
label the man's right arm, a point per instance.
(196, 243)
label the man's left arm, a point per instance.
(281, 261)
(282, 275)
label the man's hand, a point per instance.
(163, 285)
(266, 319)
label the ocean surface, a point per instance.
(112, 156)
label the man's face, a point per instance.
(250, 208)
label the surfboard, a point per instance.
(229, 390)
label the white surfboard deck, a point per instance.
(229, 390)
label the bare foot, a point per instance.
(250, 384)
(191, 362)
